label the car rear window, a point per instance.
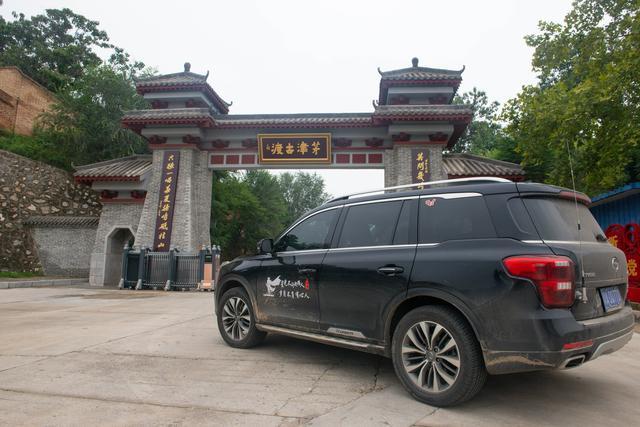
(443, 219)
(555, 219)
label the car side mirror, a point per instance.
(265, 246)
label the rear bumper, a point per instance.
(608, 333)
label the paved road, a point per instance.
(104, 357)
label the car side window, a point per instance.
(443, 219)
(312, 233)
(370, 224)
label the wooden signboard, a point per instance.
(166, 203)
(294, 148)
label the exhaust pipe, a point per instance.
(573, 362)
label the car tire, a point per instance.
(444, 369)
(236, 320)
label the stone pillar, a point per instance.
(398, 161)
(192, 208)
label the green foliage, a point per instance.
(255, 205)
(85, 123)
(588, 96)
(17, 274)
(484, 130)
(301, 191)
(35, 148)
(57, 47)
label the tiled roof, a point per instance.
(182, 81)
(417, 76)
(175, 79)
(470, 165)
(293, 120)
(423, 112)
(62, 221)
(421, 73)
(169, 116)
(130, 168)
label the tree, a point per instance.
(484, 130)
(269, 193)
(254, 205)
(85, 122)
(302, 192)
(56, 48)
(235, 213)
(587, 97)
(59, 49)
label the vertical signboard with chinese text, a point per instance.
(166, 202)
(420, 166)
(294, 148)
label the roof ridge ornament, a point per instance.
(187, 67)
(414, 62)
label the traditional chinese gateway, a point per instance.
(412, 125)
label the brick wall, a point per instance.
(397, 164)
(192, 206)
(64, 251)
(116, 222)
(22, 100)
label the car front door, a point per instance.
(368, 267)
(287, 286)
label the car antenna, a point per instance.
(583, 288)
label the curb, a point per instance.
(41, 283)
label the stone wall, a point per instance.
(29, 188)
(22, 100)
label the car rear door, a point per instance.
(367, 267)
(287, 284)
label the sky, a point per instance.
(321, 56)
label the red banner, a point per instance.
(166, 201)
(627, 239)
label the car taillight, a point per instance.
(554, 277)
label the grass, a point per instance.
(17, 274)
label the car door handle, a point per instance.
(390, 270)
(307, 270)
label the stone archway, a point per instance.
(115, 243)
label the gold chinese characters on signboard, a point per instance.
(420, 166)
(166, 202)
(294, 148)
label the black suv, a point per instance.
(453, 282)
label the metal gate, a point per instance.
(145, 269)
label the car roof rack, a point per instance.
(444, 182)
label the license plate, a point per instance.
(611, 298)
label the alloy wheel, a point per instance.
(236, 318)
(430, 356)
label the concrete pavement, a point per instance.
(78, 356)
